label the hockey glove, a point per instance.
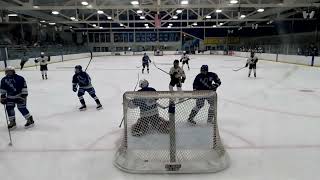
(22, 99)
(74, 89)
(4, 100)
(36, 61)
(215, 86)
(24, 96)
(246, 65)
(183, 80)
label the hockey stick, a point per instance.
(179, 102)
(9, 131)
(89, 61)
(35, 63)
(137, 83)
(239, 69)
(154, 63)
(135, 87)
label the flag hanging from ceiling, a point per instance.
(157, 21)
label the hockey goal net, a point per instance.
(158, 53)
(158, 138)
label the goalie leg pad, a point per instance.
(141, 127)
(160, 124)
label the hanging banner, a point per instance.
(221, 40)
(157, 21)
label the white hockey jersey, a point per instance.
(179, 72)
(43, 60)
(184, 58)
(252, 60)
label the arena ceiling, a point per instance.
(174, 14)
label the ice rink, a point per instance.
(270, 125)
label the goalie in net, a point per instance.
(149, 114)
(158, 52)
(158, 138)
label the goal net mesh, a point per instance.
(158, 53)
(158, 138)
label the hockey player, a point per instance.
(24, 59)
(149, 114)
(145, 62)
(252, 63)
(177, 76)
(185, 59)
(83, 80)
(14, 92)
(43, 64)
(204, 81)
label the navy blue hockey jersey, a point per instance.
(13, 86)
(146, 60)
(204, 81)
(146, 105)
(82, 79)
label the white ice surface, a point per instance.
(271, 129)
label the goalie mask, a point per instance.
(143, 83)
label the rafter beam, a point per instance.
(152, 7)
(173, 21)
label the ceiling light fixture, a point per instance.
(260, 10)
(208, 17)
(12, 15)
(184, 2)
(175, 17)
(72, 18)
(179, 11)
(109, 17)
(218, 10)
(55, 12)
(135, 2)
(142, 17)
(139, 11)
(233, 2)
(242, 16)
(52, 23)
(84, 3)
(100, 12)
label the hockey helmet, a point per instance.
(144, 54)
(184, 52)
(143, 83)
(10, 69)
(204, 68)
(42, 53)
(176, 61)
(78, 67)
